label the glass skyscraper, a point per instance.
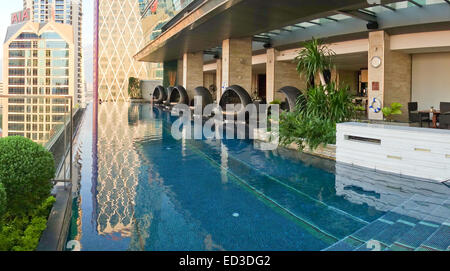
(39, 60)
(68, 12)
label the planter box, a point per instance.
(324, 151)
(410, 151)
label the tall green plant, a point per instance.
(134, 90)
(314, 120)
(314, 59)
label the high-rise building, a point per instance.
(64, 12)
(38, 60)
(155, 14)
(120, 37)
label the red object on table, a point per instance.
(436, 113)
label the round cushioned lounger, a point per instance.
(292, 95)
(205, 94)
(168, 91)
(243, 95)
(178, 95)
(159, 94)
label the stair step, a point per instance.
(397, 247)
(425, 249)
(372, 245)
(430, 212)
(419, 234)
(440, 239)
(393, 232)
(381, 224)
(346, 244)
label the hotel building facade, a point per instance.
(38, 60)
(64, 12)
(388, 51)
(120, 36)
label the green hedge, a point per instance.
(26, 171)
(22, 233)
(2, 201)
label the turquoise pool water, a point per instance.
(140, 189)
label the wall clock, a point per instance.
(376, 61)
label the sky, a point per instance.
(11, 6)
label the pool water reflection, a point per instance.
(143, 190)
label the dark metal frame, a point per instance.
(292, 94)
(163, 94)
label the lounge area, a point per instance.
(432, 118)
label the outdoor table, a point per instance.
(436, 113)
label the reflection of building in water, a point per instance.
(384, 191)
(118, 173)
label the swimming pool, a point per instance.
(140, 189)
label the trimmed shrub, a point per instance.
(22, 233)
(134, 88)
(26, 171)
(2, 201)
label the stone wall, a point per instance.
(398, 81)
(281, 74)
(192, 72)
(237, 63)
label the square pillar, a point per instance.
(179, 72)
(391, 81)
(237, 63)
(192, 72)
(219, 91)
(281, 74)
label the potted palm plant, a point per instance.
(390, 111)
(314, 59)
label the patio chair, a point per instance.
(444, 118)
(235, 95)
(292, 95)
(445, 107)
(417, 117)
(177, 95)
(159, 95)
(203, 92)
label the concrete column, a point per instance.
(192, 72)
(179, 72)
(391, 81)
(270, 74)
(237, 63)
(281, 74)
(219, 80)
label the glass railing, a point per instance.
(48, 120)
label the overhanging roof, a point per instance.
(216, 20)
